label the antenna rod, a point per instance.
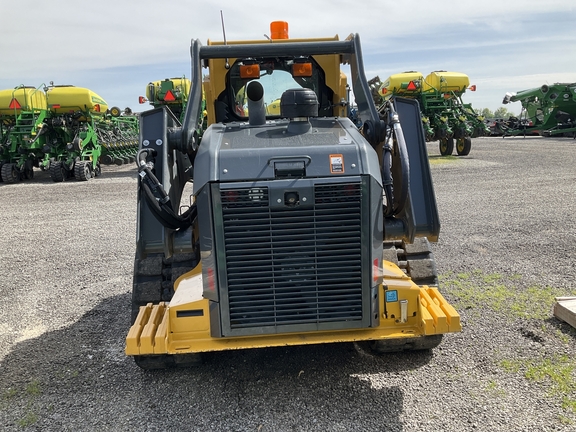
(223, 29)
(226, 65)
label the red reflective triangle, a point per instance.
(411, 86)
(14, 104)
(169, 97)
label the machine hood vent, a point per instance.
(293, 266)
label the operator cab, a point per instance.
(276, 75)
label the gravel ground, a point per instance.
(506, 249)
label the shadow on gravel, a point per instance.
(78, 378)
(564, 328)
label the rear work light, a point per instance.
(250, 71)
(302, 69)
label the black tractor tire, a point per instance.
(115, 111)
(463, 146)
(446, 146)
(57, 171)
(107, 159)
(82, 170)
(10, 173)
(77, 144)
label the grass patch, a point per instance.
(494, 389)
(33, 388)
(29, 419)
(439, 160)
(9, 394)
(501, 293)
(558, 373)
(563, 337)
(28, 394)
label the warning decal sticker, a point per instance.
(336, 164)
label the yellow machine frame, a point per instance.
(158, 329)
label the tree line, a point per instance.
(501, 112)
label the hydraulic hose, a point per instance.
(395, 127)
(157, 198)
(387, 180)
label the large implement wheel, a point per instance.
(77, 144)
(10, 173)
(417, 261)
(57, 171)
(1, 165)
(82, 170)
(446, 146)
(463, 146)
(115, 112)
(153, 282)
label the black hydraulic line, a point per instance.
(42, 131)
(157, 198)
(394, 124)
(387, 180)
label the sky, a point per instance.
(115, 48)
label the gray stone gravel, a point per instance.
(507, 209)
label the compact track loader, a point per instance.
(283, 229)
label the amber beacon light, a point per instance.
(279, 30)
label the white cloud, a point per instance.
(116, 47)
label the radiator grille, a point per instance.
(287, 266)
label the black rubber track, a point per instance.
(153, 282)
